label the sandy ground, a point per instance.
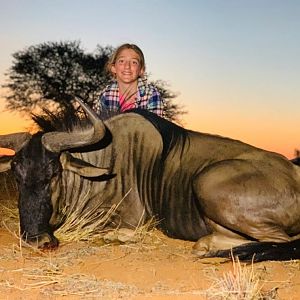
(157, 268)
(161, 269)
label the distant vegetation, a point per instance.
(50, 74)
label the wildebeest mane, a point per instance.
(172, 134)
(70, 120)
(66, 119)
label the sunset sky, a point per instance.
(234, 63)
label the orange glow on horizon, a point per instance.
(12, 122)
(271, 136)
(280, 136)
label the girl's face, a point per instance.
(127, 67)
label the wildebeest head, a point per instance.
(37, 166)
(34, 168)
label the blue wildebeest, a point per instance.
(219, 192)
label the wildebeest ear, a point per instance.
(80, 167)
(5, 163)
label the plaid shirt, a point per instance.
(148, 98)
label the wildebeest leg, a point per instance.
(249, 198)
(221, 238)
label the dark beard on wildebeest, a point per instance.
(34, 180)
(230, 197)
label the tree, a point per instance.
(173, 111)
(50, 74)
(55, 72)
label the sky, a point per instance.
(235, 64)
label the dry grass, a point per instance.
(83, 285)
(9, 215)
(96, 233)
(87, 225)
(8, 188)
(241, 283)
(43, 272)
(50, 280)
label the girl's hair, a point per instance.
(113, 58)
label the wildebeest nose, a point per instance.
(49, 243)
(43, 241)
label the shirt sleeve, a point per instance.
(102, 104)
(156, 103)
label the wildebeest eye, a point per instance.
(13, 165)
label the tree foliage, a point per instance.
(50, 74)
(173, 111)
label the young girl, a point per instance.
(129, 88)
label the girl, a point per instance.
(129, 89)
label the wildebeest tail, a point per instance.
(261, 251)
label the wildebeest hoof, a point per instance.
(202, 246)
(51, 245)
(43, 241)
(200, 251)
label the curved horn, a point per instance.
(15, 141)
(59, 141)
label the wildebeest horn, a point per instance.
(59, 141)
(14, 141)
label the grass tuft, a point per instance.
(92, 226)
(241, 283)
